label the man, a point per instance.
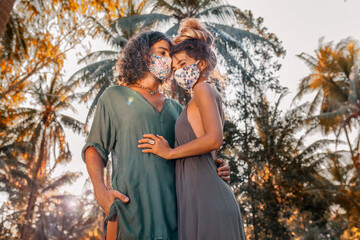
(142, 204)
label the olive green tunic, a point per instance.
(122, 117)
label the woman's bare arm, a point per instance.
(213, 132)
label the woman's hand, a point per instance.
(156, 145)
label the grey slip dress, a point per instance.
(206, 206)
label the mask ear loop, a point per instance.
(198, 66)
(196, 63)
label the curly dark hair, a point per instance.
(134, 61)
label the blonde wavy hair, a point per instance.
(191, 28)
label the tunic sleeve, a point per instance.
(102, 133)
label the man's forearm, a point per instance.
(95, 168)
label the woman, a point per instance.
(207, 208)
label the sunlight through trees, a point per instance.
(288, 185)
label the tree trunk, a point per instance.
(24, 233)
(250, 184)
(5, 10)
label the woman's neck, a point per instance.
(204, 77)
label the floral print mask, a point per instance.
(187, 77)
(160, 66)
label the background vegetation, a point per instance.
(289, 186)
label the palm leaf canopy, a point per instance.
(330, 79)
(235, 31)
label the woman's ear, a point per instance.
(202, 65)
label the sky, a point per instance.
(299, 24)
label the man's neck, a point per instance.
(150, 82)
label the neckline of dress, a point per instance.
(144, 98)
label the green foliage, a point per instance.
(275, 173)
(287, 187)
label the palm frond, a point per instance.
(303, 88)
(234, 35)
(276, 107)
(23, 176)
(131, 23)
(315, 146)
(86, 74)
(74, 124)
(94, 103)
(103, 82)
(233, 63)
(162, 4)
(173, 30)
(222, 13)
(315, 103)
(105, 33)
(66, 178)
(308, 59)
(229, 40)
(103, 55)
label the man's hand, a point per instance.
(223, 170)
(107, 197)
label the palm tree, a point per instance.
(274, 171)
(235, 32)
(334, 78)
(354, 95)
(14, 29)
(100, 73)
(42, 127)
(231, 44)
(61, 216)
(231, 27)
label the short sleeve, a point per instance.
(102, 134)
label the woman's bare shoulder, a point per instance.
(206, 89)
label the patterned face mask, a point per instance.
(160, 66)
(186, 77)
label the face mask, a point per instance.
(160, 66)
(186, 77)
